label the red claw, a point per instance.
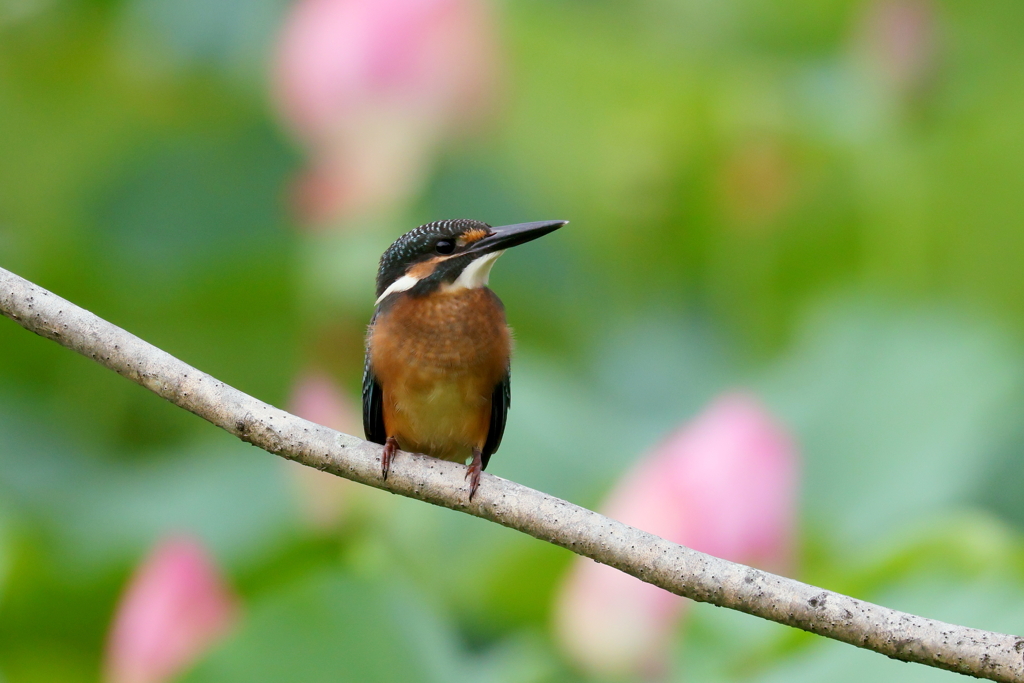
(386, 457)
(473, 472)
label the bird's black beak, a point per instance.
(508, 236)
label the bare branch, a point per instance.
(678, 569)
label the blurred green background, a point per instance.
(793, 197)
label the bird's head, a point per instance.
(454, 254)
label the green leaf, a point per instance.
(235, 497)
(333, 626)
(897, 414)
(327, 627)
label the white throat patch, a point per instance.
(476, 274)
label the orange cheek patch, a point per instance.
(422, 270)
(471, 236)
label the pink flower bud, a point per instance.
(174, 609)
(371, 86)
(725, 485)
(315, 397)
(898, 42)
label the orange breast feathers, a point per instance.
(438, 359)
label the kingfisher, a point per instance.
(436, 378)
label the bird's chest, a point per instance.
(438, 359)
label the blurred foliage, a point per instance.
(754, 200)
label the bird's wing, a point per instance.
(373, 405)
(500, 401)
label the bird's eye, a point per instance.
(444, 246)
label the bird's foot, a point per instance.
(473, 472)
(387, 456)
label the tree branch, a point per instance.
(675, 568)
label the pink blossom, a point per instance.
(175, 608)
(371, 86)
(898, 42)
(725, 485)
(315, 397)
